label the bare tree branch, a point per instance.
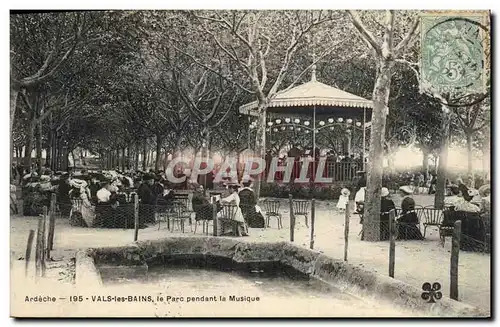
(365, 33)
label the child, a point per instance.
(343, 199)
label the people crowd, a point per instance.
(460, 198)
(105, 198)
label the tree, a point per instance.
(40, 45)
(385, 54)
(257, 43)
(472, 120)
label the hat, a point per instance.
(473, 192)
(483, 190)
(406, 189)
(345, 191)
(384, 191)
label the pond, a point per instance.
(216, 287)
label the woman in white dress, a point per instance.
(343, 199)
(234, 199)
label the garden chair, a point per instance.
(272, 208)
(205, 223)
(487, 232)
(301, 208)
(186, 201)
(226, 217)
(178, 214)
(433, 217)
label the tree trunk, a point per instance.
(48, 157)
(381, 91)
(425, 162)
(33, 98)
(486, 158)
(468, 138)
(159, 142)
(260, 142)
(65, 158)
(13, 104)
(124, 158)
(443, 161)
(60, 154)
(29, 143)
(117, 163)
(136, 161)
(144, 155)
(39, 148)
(129, 156)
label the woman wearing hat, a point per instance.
(248, 204)
(386, 205)
(408, 223)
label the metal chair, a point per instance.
(272, 208)
(205, 223)
(432, 217)
(301, 208)
(227, 214)
(487, 232)
(186, 201)
(178, 214)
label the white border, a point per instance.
(187, 4)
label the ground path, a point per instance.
(416, 261)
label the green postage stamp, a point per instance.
(455, 51)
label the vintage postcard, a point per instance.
(250, 163)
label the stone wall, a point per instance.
(307, 261)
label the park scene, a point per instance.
(303, 163)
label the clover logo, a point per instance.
(431, 293)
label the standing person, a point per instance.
(94, 187)
(359, 199)
(432, 186)
(148, 200)
(157, 188)
(343, 199)
(63, 195)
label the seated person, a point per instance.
(201, 206)
(107, 201)
(237, 217)
(248, 204)
(386, 205)
(449, 201)
(485, 194)
(359, 199)
(463, 202)
(408, 223)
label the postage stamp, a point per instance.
(454, 52)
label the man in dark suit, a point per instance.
(148, 200)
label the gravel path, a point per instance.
(417, 262)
